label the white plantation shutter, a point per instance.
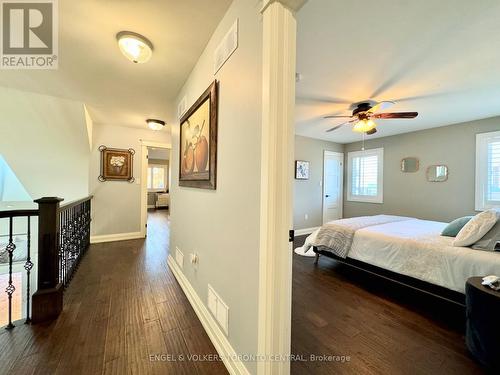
(493, 189)
(487, 170)
(365, 176)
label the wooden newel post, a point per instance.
(48, 299)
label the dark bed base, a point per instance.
(422, 286)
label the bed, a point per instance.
(409, 251)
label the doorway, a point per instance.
(158, 185)
(155, 185)
(333, 181)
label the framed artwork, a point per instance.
(116, 164)
(198, 142)
(301, 170)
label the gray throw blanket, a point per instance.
(337, 236)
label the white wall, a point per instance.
(44, 140)
(222, 226)
(117, 204)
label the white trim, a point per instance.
(379, 198)
(116, 237)
(214, 332)
(341, 192)
(144, 178)
(482, 141)
(301, 232)
(276, 198)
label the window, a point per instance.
(365, 176)
(156, 177)
(487, 170)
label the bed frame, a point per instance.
(422, 286)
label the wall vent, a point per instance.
(226, 47)
(182, 107)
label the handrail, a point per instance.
(19, 213)
(63, 237)
(74, 203)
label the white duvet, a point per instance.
(415, 248)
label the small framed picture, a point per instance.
(116, 164)
(301, 170)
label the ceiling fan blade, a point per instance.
(370, 132)
(335, 116)
(336, 127)
(396, 115)
(381, 106)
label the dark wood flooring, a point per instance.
(383, 328)
(123, 306)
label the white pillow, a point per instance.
(476, 228)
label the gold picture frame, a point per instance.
(198, 142)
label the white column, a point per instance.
(279, 45)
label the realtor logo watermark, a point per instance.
(29, 34)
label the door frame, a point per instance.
(340, 155)
(144, 177)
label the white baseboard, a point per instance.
(116, 237)
(214, 332)
(301, 232)
(151, 206)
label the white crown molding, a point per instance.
(293, 5)
(218, 338)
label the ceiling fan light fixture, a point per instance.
(154, 124)
(135, 47)
(363, 126)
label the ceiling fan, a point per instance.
(364, 113)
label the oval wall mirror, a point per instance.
(409, 165)
(437, 173)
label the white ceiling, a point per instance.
(93, 70)
(439, 58)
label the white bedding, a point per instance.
(415, 248)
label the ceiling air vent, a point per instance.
(226, 47)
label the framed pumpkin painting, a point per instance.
(198, 142)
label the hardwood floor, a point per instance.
(124, 313)
(383, 328)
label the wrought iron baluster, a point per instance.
(10, 287)
(28, 266)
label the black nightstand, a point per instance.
(483, 322)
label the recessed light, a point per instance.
(155, 124)
(135, 47)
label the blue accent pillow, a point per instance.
(454, 227)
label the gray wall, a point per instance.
(410, 193)
(308, 194)
(223, 226)
(117, 204)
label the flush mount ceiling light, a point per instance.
(155, 124)
(134, 47)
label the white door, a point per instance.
(333, 176)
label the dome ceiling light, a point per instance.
(155, 124)
(134, 47)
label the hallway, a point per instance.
(124, 313)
